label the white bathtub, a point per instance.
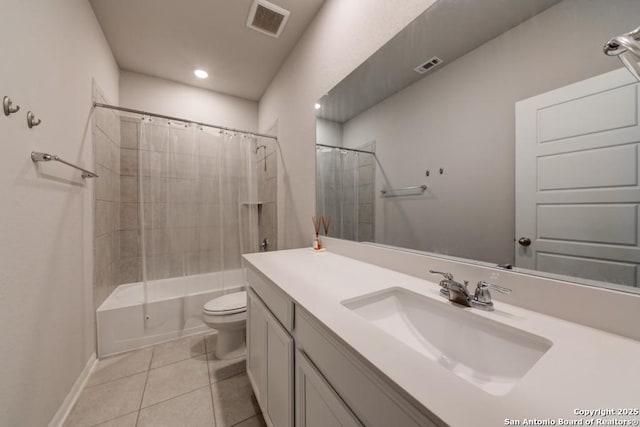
(173, 309)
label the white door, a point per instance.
(577, 189)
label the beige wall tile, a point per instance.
(128, 189)
(129, 216)
(128, 162)
(129, 244)
(129, 133)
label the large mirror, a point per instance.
(496, 131)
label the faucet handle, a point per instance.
(447, 276)
(486, 285)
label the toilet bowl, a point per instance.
(228, 315)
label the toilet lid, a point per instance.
(227, 304)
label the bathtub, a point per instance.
(173, 310)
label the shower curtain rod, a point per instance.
(178, 119)
(345, 148)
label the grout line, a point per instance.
(145, 386)
(114, 418)
(248, 418)
(174, 397)
(213, 408)
(117, 379)
(177, 361)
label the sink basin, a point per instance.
(488, 354)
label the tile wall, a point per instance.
(106, 138)
(267, 164)
(130, 250)
(187, 236)
(345, 191)
(366, 193)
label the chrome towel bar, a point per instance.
(385, 191)
(44, 157)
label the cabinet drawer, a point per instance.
(278, 302)
(375, 403)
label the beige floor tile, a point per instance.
(193, 409)
(222, 369)
(210, 342)
(256, 421)
(233, 401)
(107, 401)
(128, 420)
(123, 365)
(176, 350)
(175, 379)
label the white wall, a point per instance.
(462, 118)
(50, 52)
(342, 35)
(170, 98)
(328, 132)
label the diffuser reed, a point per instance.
(326, 220)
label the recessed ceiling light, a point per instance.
(317, 106)
(201, 74)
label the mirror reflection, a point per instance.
(494, 131)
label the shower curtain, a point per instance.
(196, 187)
(337, 190)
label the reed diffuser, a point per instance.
(326, 220)
(316, 225)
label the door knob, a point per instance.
(524, 241)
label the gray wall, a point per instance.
(340, 37)
(51, 52)
(461, 118)
(328, 132)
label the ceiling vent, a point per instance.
(429, 65)
(267, 18)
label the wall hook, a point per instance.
(32, 121)
(7, 104)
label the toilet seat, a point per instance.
(227, 304)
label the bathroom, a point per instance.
(191, 190)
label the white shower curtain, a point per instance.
(196, 186)
(337, 190)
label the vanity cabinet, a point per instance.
(333, 385)
(270, 363)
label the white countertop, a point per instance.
(585, 369)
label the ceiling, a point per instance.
(170, 39)
(449, 29)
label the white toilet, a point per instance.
(228, 315)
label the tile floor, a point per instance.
(174, 384)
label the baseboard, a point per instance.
(67, 404)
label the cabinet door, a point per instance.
(256, 346)
(317, 404)
(279, 374)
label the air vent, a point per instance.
(267, 18)
(429, 65)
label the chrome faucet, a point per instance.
(459, 293)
